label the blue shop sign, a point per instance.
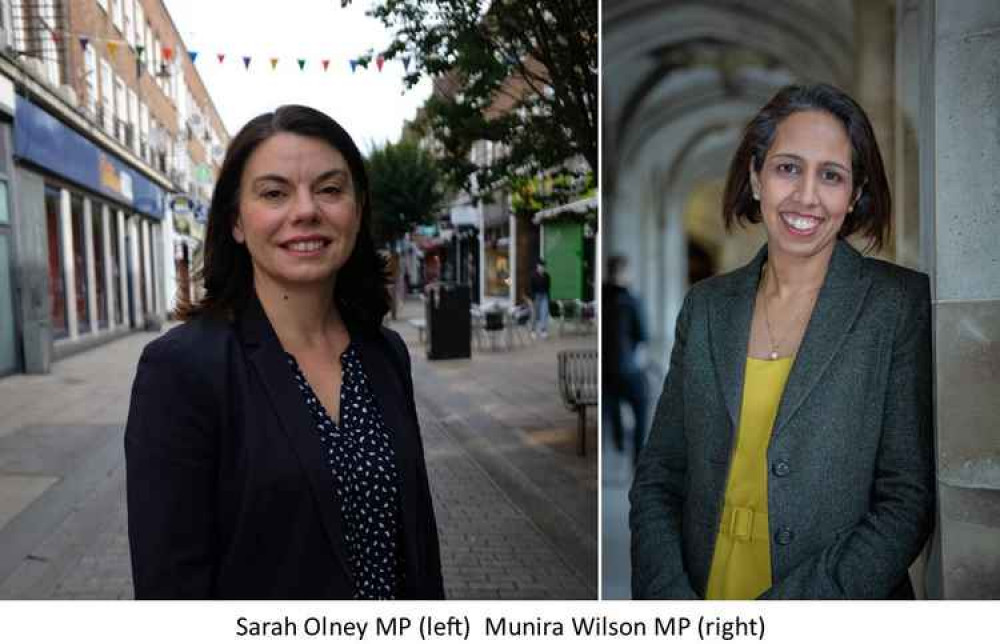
(46, 141)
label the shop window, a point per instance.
(116, 269)
(100, 286)
(57, 276)
(80, 264)
(497, 261)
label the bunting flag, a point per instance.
(246, 62)
(112, 48)
(354, 65)
(221, 57)
(84, 41)
(168, 53)
(193, 55)
(380, 61)
(139, 51)
(274, 64)
(302, 64)
(56, 36)
(326, 63)
(406, 63)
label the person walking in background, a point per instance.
(541, 284)
(623, 333)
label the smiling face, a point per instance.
(298, 213)
(805, 184)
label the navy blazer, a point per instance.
(228, 492)
(850, 483)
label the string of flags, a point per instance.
(112, 47)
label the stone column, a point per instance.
(109, 258)
(874, 46)
(88, 252)
(961, 220)
(906, 187)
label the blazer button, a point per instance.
(784, 536)
(781, 468)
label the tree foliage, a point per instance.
(519, 73)
(406, 189)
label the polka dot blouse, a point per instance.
(365, 481)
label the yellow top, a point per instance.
(741, 565)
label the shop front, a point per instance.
(95, 222)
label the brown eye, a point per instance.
(787, 169)
(831, 176)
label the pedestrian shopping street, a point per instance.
(516, 507)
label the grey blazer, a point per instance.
(850, 483)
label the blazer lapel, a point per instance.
(731, 316)
(269, 362)
(837, 307)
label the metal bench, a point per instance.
(578, 387)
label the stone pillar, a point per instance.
(962, 221)
(109, 258)
(88, 251)
(874, 47)
(124, 266)
(906, 187)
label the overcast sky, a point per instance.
(370, 105)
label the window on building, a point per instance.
(140, 24)
(100, 286)
(80, 263)
(149, 49)
(116, 14)
(57, 274)
(116, 268)
(90, 71)
(132, 129)
(128, 23)
(121, 108)
(144, 131)
(107, 97)
(50, 49)
(157, 61)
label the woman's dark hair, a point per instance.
(360, 293)
(872, 213)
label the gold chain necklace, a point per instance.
(767, 318)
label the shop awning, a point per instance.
(576, 207)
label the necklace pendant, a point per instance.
(774, 355)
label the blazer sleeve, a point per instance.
(431, 586)
(871, 559)
(657, 494)
(170, 456)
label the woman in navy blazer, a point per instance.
(848, 463)
(272, 447)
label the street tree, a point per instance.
(406, 188)
(519, 73)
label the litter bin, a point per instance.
(448, 323)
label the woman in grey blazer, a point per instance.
(840, 481)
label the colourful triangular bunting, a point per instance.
(302, 64)
(221, 57)
(274, 64)
(193, 55)
(84, 41)
(326, 63)
(246, 62)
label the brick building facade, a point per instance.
(112, 143)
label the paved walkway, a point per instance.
(516, 508)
